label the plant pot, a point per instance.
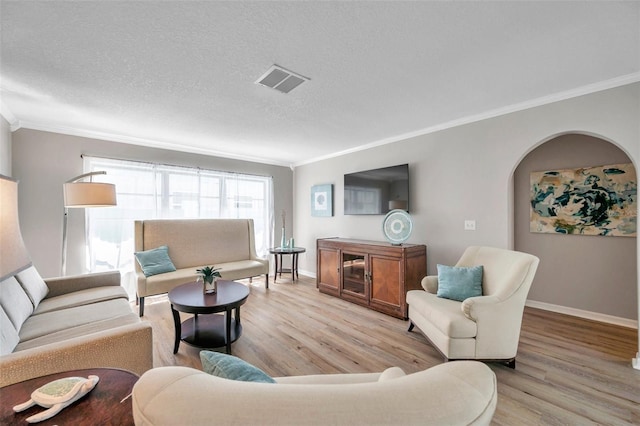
(209, 287)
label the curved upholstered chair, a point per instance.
(456, 393)
(485, 327)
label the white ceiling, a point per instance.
(181, 75)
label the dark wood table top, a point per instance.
(191, 298)
(101, 406)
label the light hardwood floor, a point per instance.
(570, 371)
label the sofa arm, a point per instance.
(64, 285)
(473, 307)
(430, 284)
(128, 347)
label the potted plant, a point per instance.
(209, 276)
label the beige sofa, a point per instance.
(228, 244)
(483, 327)
(456, 393)
(82, 321)
(60, 324)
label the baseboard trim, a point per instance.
(307, 273)
(595, 316)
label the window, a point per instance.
(156, 191)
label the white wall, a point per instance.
(43, 161)
(5, 147)
(462, 173)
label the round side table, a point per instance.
(278, 252)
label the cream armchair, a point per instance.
(485, 327)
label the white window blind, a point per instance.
(157, 191)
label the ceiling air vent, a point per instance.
(281, 79)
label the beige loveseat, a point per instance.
(456, 393)
(228, 244)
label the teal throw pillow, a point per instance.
(232, 368)
(155, 261)
(459, 283)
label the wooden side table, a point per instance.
(107, 404)
(278, 252)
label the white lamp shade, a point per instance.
(89, 194)
(13, 253)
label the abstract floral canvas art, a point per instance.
(587, 201)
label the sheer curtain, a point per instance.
(158, 191)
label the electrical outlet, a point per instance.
(469, 225)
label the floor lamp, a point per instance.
(13, 253)
(82, 195)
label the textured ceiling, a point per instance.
(181, 74)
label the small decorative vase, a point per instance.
(209, 287)
(283, 241)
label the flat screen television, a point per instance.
(377, 191)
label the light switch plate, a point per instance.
(469, 225)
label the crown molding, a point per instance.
(6, 113)
(544, 100)
(112, 137)
(16, 124)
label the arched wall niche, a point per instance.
(596, 274)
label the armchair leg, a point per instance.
(511, 363)
(266, 276)
(141, 300)
(411, 325)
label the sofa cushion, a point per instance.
(82, 297)
(55, 321)
(241, 269)
(9, 337)
(232, 368)
(79, 331)
(163, 283)
(155, 261)
(445, 314)
(33, 285)
(459, 283)
(15, 302)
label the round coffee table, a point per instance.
(208, 331)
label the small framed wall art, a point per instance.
(322, 200)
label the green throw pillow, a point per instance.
(155, 261)
(459, 283)
(232, 368)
